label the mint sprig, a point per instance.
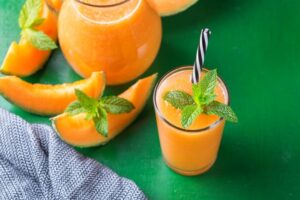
(97, 109)
(202, 101)
(28, 20)
(116, 105)
(179, 99)
(101, 122)
(222, 110)
(38, 39)
(75, 108)
(29, 13)
(189, 114)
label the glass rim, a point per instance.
(162, 79)
(102, 5)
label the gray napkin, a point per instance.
(36, 164)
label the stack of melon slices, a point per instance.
(52, 100)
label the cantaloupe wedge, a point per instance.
(23, 59)
(77, 131)
(171, 7)
(55, 4)
(48, 100)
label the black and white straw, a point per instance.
(200, 55)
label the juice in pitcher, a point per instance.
(188, 150)
(120, 37)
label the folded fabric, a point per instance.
(36, 164)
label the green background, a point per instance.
(255, 45)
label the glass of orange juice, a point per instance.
(120, 37)
(188, 151)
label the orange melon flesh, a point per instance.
(171, 7)
(48, 100)
(77, 131)
(55, 4)
(23, 59)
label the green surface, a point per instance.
(256, 47)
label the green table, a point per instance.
(256, 47)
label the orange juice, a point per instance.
(120, 37)
(189, 151)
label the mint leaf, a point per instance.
(74, 108)
(189, 114)
(37, 22)
(208, 83)
(89, 104)
(29, 13)
(90, 115)
(207, 99)
(101, 122)
(196, 92)
(203, 92)
(116, 105)
(222, 110)
(39, 39)
(28, 19)
(179, 99)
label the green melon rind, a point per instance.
(53, 120)
(167, 14)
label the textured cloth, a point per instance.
(36, 164)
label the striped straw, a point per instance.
(200, 55)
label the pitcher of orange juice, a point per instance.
(120, 37)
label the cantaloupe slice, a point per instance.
(48, 100)
(171, 7)
(23, 59)
(55, 4)
(77, 131)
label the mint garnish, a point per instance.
(208, 83)
(189, 114)
(202, 101)
(75, 108)
(29, 13)
(97, 109)
(28, 20)
(101, 123)
(222, 110)
(116, 105)
(179, 99)
(38, 39)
